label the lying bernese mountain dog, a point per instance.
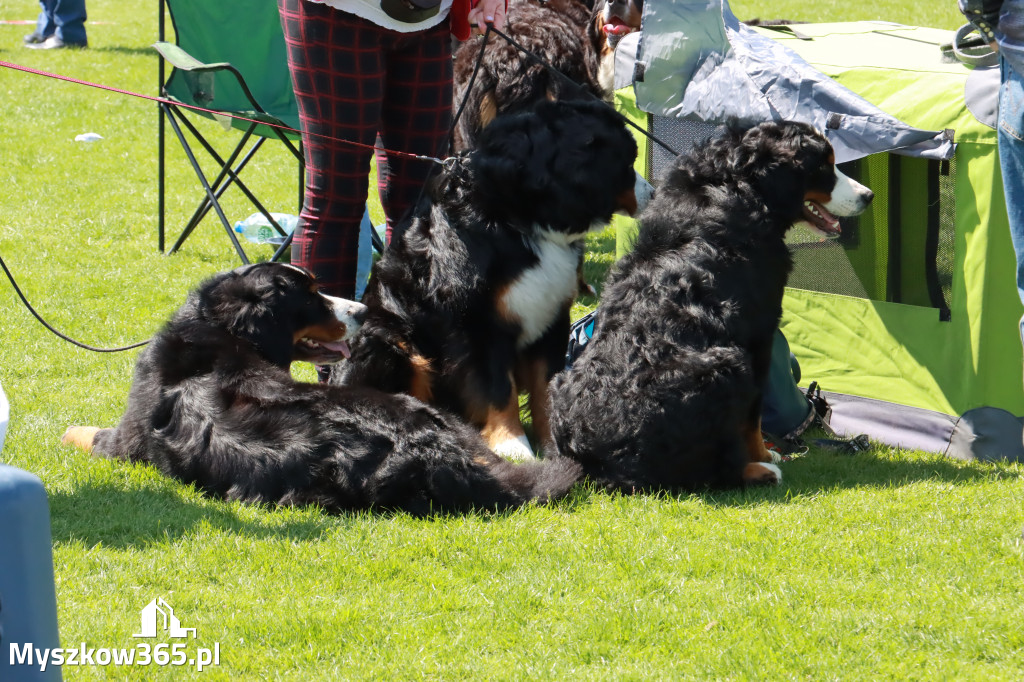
(667, 395)
(213, 404)
(469, 306)
(567, 34)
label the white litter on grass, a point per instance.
(88, 137)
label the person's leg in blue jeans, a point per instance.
(1011, 159)
(45, 24)
(63, 20)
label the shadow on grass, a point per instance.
(131, 51)
(115, 516)
(821, 472)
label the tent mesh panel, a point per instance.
(900, 250)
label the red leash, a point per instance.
(164, 100)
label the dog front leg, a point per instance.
(504, 433)
(534, 377)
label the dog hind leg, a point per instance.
(761, 469)
(80, 436)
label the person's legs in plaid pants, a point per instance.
(353, 80)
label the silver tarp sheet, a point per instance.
(697, 61)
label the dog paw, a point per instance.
(515, 450)
(80, 436)
(762, 473)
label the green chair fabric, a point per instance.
(229, 59)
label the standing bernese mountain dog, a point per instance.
(469, 306)
(213, 403)
(667, 395)
(576, 39)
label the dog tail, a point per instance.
(539, 481)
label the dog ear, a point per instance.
(762, 149)
(244, 303)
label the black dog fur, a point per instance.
(469, 306)
(509, 81)
(667, 394)
(213, 403)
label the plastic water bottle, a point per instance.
(258, 230)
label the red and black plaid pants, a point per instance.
(354, 80)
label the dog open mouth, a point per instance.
(321, 352)
(820, 219)
(616, 27)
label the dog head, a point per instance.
(279, 309)
(564, 166)
(794, 167)
(612, 19)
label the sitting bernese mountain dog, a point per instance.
(667, 395)
(469, 305)
(577, 41)
(609, 22)
(213, 404)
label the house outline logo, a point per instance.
(171, 624)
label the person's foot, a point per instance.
(34, 38)
(54, 43)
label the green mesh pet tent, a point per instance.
(909, 321)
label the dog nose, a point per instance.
(643, 191)
(346, 310)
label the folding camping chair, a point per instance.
(229, 59)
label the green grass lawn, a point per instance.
(886, 565)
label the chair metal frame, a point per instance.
(257, 132)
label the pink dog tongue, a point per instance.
(818, 215)
(338, 347)
(616, 29)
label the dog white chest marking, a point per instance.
(541, 292)
(606, 74)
